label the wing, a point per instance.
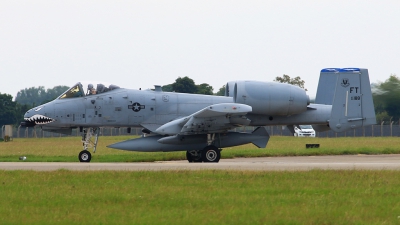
(212, 119)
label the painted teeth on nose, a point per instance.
(39, 119)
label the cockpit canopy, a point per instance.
(92, 88)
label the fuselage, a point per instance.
(151, 109)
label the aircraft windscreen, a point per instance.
(73, 92)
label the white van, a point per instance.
(304, 131)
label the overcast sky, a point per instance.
(136, 44)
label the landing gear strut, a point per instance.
(85, 155)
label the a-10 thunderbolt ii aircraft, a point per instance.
(202, 125)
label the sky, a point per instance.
(137, 44)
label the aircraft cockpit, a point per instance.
(99, 88)
(92, 89)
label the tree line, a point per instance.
(386, 96)
(12, 112)
(187, 85)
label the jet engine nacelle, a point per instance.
(269, 98)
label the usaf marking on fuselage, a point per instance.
(202, 125)
(136, 107)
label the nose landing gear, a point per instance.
(85, 155)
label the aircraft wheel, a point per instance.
(211, 154)
(193, 156)
(85, 156)
(189, 156)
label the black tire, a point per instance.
(85, 156)
(211, 154)
(193, 158)
(189, 156)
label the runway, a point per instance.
(299, 163)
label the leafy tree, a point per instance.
(53, 93)
(39, 95)
(221, 91)
(30, 96)
(187, 85)
(184, 85)
(167, 88)
(204, 89)
(294, 81)
(382, 116)
(7, 110)
(386, 97)
(20, 110)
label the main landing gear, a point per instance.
(209, 154)
(85, 155)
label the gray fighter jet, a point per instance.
(202, 125)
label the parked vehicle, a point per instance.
(304, 131)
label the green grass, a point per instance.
(200, 197)
(67, 149)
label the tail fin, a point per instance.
(349, 92)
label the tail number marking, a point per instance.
(354, 89)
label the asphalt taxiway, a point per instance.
(299, 163)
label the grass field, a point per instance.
(200, 197)
(67, 149)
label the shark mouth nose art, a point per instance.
(39, 119)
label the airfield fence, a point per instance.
(368, 131)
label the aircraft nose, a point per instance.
(32, 111)
(37, 116)
(27, 121)
(28, 114)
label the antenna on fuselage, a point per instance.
(157, 88)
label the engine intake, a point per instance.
(269, 98)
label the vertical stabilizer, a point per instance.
(367, 103)
(349, 92)
(326, 86)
